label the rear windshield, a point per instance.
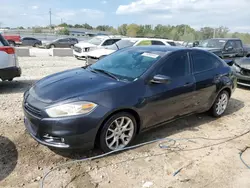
(3, 42)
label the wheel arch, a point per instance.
(128, 110)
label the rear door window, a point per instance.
(156, 42)
(237, 44)
(203, 61)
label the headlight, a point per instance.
(71, 109)
(236, 68)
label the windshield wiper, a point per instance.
(106, 72)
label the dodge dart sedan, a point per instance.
(134, 89)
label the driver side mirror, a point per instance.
(229, 48)
(160, 79)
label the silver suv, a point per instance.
(9, 67)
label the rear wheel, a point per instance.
(11, 79)
(220, 104)
(36, 45)
(52, 46)
(118, 132)
(71, 46)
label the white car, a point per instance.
(82, 48)
(97, 54)
(9, 67)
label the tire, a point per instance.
(11, 79)
(119, 135)
(71, 46)
(36, 45)
(52, 46)
(218, 111)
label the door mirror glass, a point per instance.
(229, 48)
(160, 79)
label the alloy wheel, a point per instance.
(119, 133)
(221, 104)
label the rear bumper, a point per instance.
(10, 73)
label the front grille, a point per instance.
(32, 110)
(77, 49)
(244, 81)
(91, 60)
(245, 72)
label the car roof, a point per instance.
(227, 38)
(161, 48)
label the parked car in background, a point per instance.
(242, 70)
(109, 103)
(13, 39)
(9, 67)
(190, 44)
(29, 41)
(62, 43)
(82, 48)
(225, 48)
(97, 54)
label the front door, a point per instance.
(173, 99)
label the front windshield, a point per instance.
(128, 64)
(96, 41)
(121, 44)
(212, 43)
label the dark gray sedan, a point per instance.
(29, 41)
(62, 43)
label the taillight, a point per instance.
(7, 49)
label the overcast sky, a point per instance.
(234, 14)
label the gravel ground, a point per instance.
(203, 163)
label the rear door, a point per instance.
(207, 75)
(63, 43)
(173, 99)
(239, 48)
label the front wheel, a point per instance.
(118, 132)
(220, 104)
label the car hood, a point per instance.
(209, 49)
(243, 63)
(100, 52)
(71, 84)
(84, 45)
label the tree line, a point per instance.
(179, 32)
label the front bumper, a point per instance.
(242, 79)
(80, 55)
(10, 73)
(67, 132)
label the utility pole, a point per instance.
(61, 20)
(185, 29)
(214, 32)
(50, 18)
